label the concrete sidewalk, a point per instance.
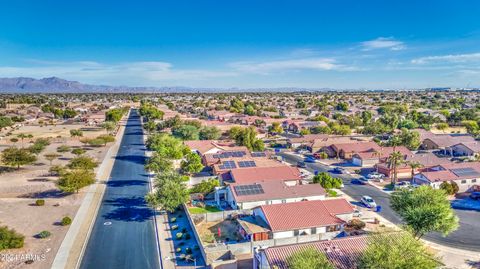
(73, 245)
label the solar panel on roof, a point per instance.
(248, 189)
(247, 164)
(229, 154)
(259, 154)
(228, 165)
(465, 172)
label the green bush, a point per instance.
(332, 193)
(327, 181)
(178, 250)
(9, 238)
(66, 221)
(174, 227)
(179, 235)
(188, 251)
(187, 236)
(63, 148)
(356, 224)
(44, 234)
(173, 219)
(40, 202)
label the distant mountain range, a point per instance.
(58, 85)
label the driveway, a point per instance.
(466, 237)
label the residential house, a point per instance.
(465, 175)
(250, 187)
(373, 156)
(343, 253)
(347, 150)
(324, 217)
(203, 147)
(453, 145)
(405, 171)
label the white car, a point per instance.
(368, 201)
(403, 185)
(375, 175)
(357, 213)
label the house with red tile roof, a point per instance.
(347, 150)
(247, 188)
(466, 175)
(373, 156)
(325, 217)
(343, 253)
(208, 146)
(405, 171)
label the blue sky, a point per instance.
(248, 43)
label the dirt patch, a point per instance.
(220, 231)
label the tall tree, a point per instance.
(191, 164)
(75, 179)
(170, 191)
(425, 210)
(396, 250)
(109, 126)
(17, 157)
(393, 161)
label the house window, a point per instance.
(474, 180)
(313, 230)
(463, 181)
(284, 201)
(333, 228)
(295, 232)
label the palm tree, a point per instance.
(394, 160)
(414, 165)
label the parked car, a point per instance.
(302, 151)
(403, 185)
(475, 195)
(301, 164)
(309, 159)
(368, 201)
(357, 213)
(375, 175)
(339, 170)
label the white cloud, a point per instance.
(383, 43)
(289, 65)
(451, 58)
(129, 73)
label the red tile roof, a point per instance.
(305, 214)
(258, 174)
(275, 189)
(344, 253)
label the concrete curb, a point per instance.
(71, 250)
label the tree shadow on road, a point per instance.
(123, 183)
(129, 209)
(138, 159)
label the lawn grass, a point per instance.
(207, 209)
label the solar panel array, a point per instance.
(248, 189)
(247, 164)
(227, 165)
(230, 154)
(259, 154)
(465, 172)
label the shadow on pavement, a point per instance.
(132, 158)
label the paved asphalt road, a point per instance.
(466, 237)
(130, 240)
